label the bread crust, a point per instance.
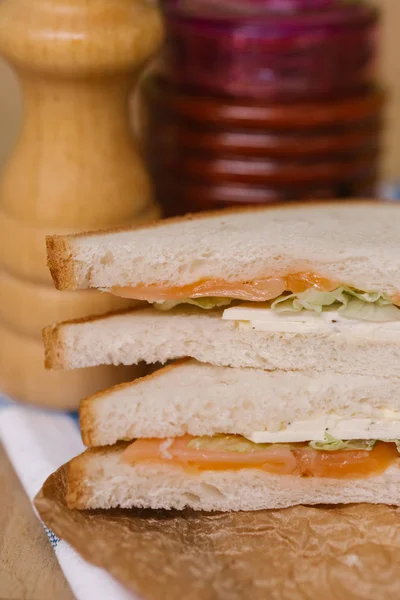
(52, 336)
(88, 405)
(53, 347)
(77, 471)
(60, 254)
(59, 261)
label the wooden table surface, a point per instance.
(28, 566)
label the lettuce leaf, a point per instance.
(351, 304)
(331, 444)
(226, 443)
(359, 309)
(237, 443)
(206, 303)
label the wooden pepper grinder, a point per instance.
(76, 167)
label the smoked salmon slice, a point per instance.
(259, 290)
(235, 452)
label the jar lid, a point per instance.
(283, 50)
(268, 18)
(279, 6)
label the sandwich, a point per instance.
(220, 438)
(291, 319)
(306, 287)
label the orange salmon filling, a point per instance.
(280, 459)
(259, 290)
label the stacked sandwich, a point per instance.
(284, 325)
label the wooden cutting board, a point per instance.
(28, 566)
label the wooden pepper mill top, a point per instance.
(76, 167)
(79, 37)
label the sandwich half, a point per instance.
(216, 438)
(294, 288)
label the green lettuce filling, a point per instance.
(207, 303)
(237, 443)
(351, 304)
(331, 444)
(226, 443)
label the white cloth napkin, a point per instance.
(37, 444)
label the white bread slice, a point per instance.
(24, 378)
(98, 479)
(201, 399)
(355, 243)
(153, 336)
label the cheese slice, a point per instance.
(262, 318)
(343, 429)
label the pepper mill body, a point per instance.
(75, 167)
